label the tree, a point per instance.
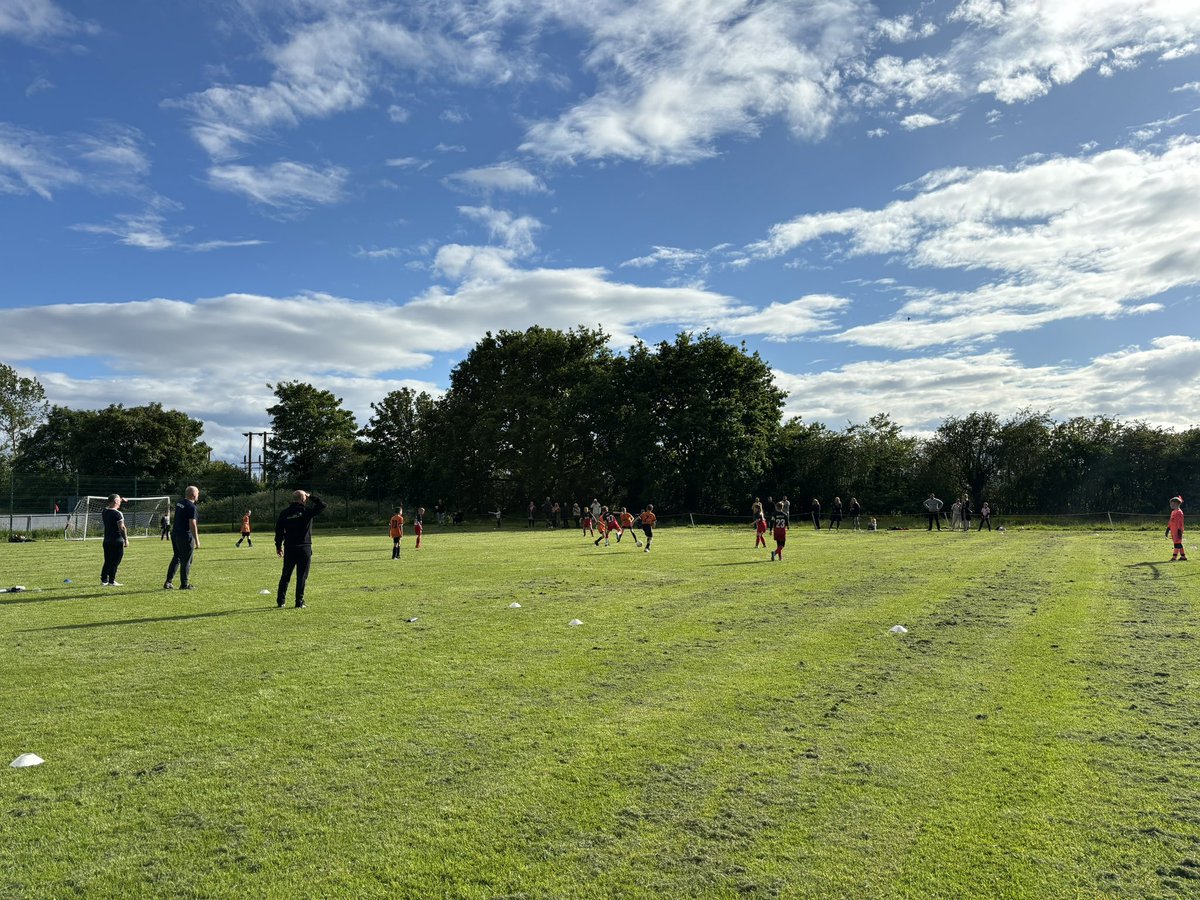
(520, 419)
(717, 408)
(395, 443)
(971, 447)
(313, 436)
(140, 441)
(22, 407)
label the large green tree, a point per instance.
(22, 408)
(522, 417)
(140, 441)
(312, 440)
(396, 444)
(716, 408)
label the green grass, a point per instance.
(720, 726)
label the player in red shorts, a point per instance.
(587, 522)
(419, 525)
(1175, 529)
(779, 524)
(760, 530)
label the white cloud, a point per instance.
(36, 20)
(514, 232)
(1055, 239)
(408, 162)
(780, 321)
(671, 82)
(1190, 86)
(333, 64)
(398, 114)
(28, 163)
(39, 85)
(877, 132)
(923, 120)
(903, 28)
(108, 160)
(500, 177)
(1128, 383)
(379, 253)
(674, 257)
(282, 184)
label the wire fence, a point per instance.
(42, 504)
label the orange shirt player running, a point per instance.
(648, 519)
(396, 530)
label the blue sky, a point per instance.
(916, 208)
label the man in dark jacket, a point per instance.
(293, 541)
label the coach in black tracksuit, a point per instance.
(293, 541)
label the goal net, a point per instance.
(142, 516)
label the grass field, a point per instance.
(719, 726)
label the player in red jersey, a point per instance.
(760, 530)
(779, 523)
(1175, 530)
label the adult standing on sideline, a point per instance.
(185, 540)
(116, 539)
(293, 541)
(816, 513)
(966, 512)
(855, 511)
(835, 515)
(955, 514)
(532, 513)
(933, 509)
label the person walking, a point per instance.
(245, 531)
(293, 542)
(933, 509)
(185, 540)
(116, 539)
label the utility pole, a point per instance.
(262, 457)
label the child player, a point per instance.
(760, 530)
(245, 531)
(648, 519)
(626, 520)
(588, 528)
(396, 530)
(608, 525)
(418, 525)
(780, 523)
(1175, 529)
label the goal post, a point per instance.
(142, 515)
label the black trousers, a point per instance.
(935, 518)
(181, 544)
(298, 560)
(114, 552)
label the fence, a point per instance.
(28, 503)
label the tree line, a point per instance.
(694, 424)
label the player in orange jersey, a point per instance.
(648, 519)
(396, 530)
(626, 519)
(245, 531)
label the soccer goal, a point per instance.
(142, 515)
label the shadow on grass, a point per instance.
(741, 562)
(207, 615)
(41, 596)
(1156, 568)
